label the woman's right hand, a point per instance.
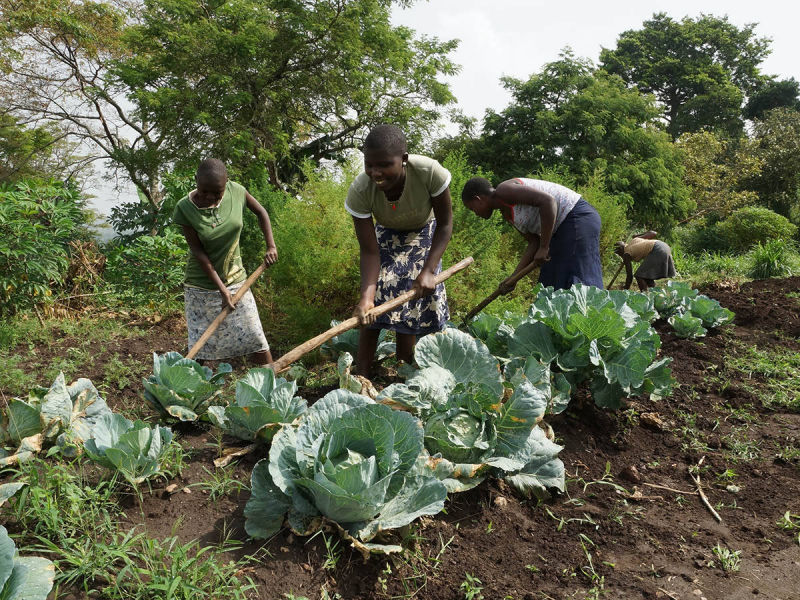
(227, 300)
(362, 312)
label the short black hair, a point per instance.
(211, 170)
(477, 186)
(389, 138)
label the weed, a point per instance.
(778, 368)
(220, 483)
(598, 581)
(730, 560)
(789, 521)
(489, 527)
(533, 568)
(332, 552)
(472, 587)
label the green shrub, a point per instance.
(148, 269)
(753, 225)
(37, 222)
(316, 277)
(771, 259)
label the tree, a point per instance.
(281, 81)
(585, 122)
(773, 94)
(55, 55)
(777, 138)
(40, 152)
(700, 70)
(715, 170)
(155, 85)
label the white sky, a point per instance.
(517, 37)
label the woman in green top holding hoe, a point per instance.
(403, 220)
(211, 217)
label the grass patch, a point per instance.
(775, 374)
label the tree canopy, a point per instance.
(160, 83)
(700, 70)
(573, 118)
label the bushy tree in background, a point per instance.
(701, 70)
(37, 222)
(158, 85)
(774, 93)
(777, 138)
(715, 169)
(571, 118)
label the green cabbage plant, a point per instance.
(263, 405)
(475, 426)
(133, 449)
(23, 577)
(688, 311)
(61, 414)
(182, 388)
(351, 464)
(589, 334)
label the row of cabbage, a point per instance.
(473, 408)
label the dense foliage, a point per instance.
(37, 222)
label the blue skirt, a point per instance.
(575, 250)
(402, 255)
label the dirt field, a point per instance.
(631, 524)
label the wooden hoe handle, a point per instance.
(226, 311)
(495, 294)
(287, 359)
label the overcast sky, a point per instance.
(517, 37)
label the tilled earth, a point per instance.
(631, 524)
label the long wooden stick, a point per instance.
(495, 294)
(614, 278)
(226, 311)
(703, 497)
(284, 361)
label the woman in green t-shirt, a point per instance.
(212, 217)
(409, 197)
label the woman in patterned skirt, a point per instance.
(211, 217)
(561, 228)
(408, 197)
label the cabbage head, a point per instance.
(133, 449)
(61, 414)
(476, 423)
(264, 403)
(23, 577)
(357, 465)
(182, 388)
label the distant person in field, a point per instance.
(211, 217)
(655, 256)
(403, 220)
(561, 228)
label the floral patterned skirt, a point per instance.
(402, 255)
(239, 334)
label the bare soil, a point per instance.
(631, 524)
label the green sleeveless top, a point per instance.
(219, 229)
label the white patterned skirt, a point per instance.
(402, 255)
(239, 334)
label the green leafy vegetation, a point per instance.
(23, 578)
(357, 464)
(264, 403)
(181, 388)
(133, 449)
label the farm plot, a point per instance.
(630, 523)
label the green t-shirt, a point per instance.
(425, 179)
(219, 229)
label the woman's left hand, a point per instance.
(542, 255)
(426, 282)
(271, 257)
